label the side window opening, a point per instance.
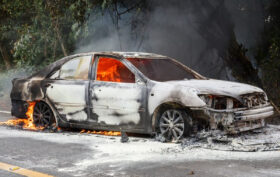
(55, 75)
(112, 70)
(76, 68)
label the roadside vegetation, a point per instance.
(34, 33)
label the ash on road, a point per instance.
(74, 154)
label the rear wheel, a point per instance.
(174, 124)
(43, 115)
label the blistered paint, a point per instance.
(67, 94)
(72, 112)
(69, 100)
(117, 105)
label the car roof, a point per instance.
(46, 71)
(129, 54)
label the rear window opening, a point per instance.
(161, 69)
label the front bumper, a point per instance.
(240, 119)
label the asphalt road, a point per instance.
(74, 154)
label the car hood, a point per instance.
(218, 87)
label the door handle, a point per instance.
(47, 85)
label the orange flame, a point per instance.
(24, 123)
(113, 70)
(107, 133)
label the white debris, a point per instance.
(265, 139)
(108, 150)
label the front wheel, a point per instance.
(174, 124)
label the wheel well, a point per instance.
(161, 108)
(52, 109)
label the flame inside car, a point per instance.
(111, 70)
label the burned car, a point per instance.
(137, 92)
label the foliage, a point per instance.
(268, 53)
(37, 32)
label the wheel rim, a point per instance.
(172, 125)
(42, 115)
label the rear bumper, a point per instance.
(19, 108)
(241, 119)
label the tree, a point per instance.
(13, 18)
(268, 52)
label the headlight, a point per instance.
(207, 99)
(220, 102)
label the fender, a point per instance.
(163, 93)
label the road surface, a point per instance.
(73, 154)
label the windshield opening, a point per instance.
(162, 69)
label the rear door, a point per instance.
(67, 89)
(117, 94)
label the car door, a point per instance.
(117, 94)
(67, 89)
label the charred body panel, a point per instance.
(235, 120)
(38, 88)
(75, 103)
(69, 98)
(19, 108)
(236, 116)
(134, 107)
(121, 106)
(31, 88)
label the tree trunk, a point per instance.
(45, 48)
(5, 56)
(60, 39)
(54, 48)
(55, 24)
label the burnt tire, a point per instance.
(174, 124)
(43, 115)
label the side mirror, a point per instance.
(140, 82)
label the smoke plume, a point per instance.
(197, 33)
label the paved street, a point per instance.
(74, 154)
(70, 153)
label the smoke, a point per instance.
(197, 33)
(105, 35)
(248, 18)
(6, 78)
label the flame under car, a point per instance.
(139, 93)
